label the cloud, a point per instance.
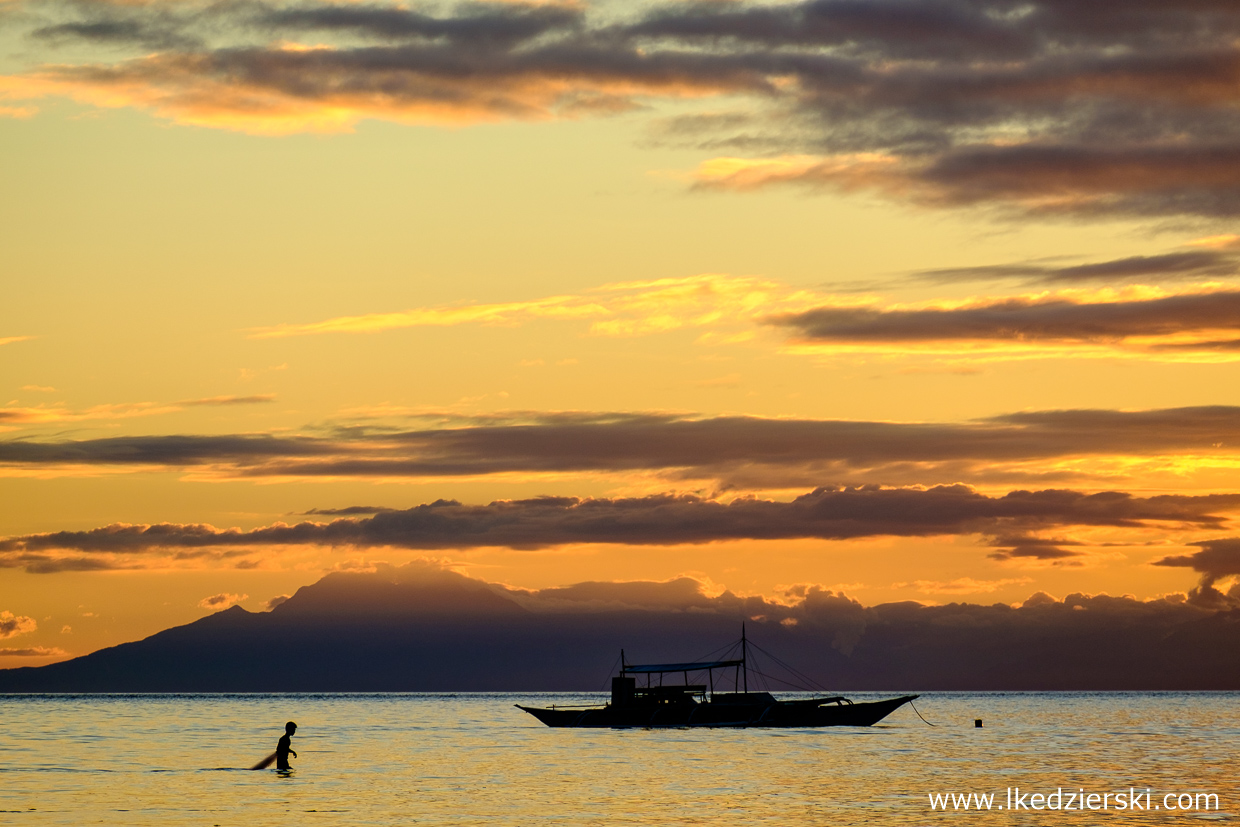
(962, 585)
(1042, 107)
(33, 652)
(678, 594)
(826, 513)
(1046, 181)
(1041, 549)
(1202, 321)
(256, 399)
(620, 309)
(1190, 264)
(276, 601)
(216, 602)
(13, 625)
(1217, 559)
(8, 340)
(750, 453)
(47, 414)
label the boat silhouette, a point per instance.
(699, 705)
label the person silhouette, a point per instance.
(284, 747)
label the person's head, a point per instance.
(290, 727)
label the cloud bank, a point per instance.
(1199, 321)
(1046, 107)
(742, 452)
(825, 514)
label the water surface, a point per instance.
(474, 759)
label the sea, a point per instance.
(475, 759)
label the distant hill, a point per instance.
(418, 630)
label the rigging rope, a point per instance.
(610, 672)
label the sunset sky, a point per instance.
(915, 301)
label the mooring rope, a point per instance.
(919, 715)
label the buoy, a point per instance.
(977, 723)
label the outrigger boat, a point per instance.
(699, 705)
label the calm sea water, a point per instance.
(476, 760)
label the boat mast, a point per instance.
(744, 652)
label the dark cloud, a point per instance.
(1165, 267)
(257, 399)
(162, 450)
(1044, 106)
(349, 511)
(771, 453)
(1034, 548)
(32, 652)
(35, 563)
(1023, 320)
(828, 514)
(1217, 558)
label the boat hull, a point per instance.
(777, 714)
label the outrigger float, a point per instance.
(699, 705)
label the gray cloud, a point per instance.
(1034, 548)
(1023, 320)
(1217, 559)
(32, 652)
(769, 452)
(828, 514)
(257, 399)
(1045, 106)
(1165, 267)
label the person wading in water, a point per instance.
(283, 750)
(284, 747)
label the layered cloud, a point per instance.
(1044, 106)
(741, 452)
(1220, 262)
(1130, 319)
(826, 514)
(1197, 322)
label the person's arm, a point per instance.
(292, 752)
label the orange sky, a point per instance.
(761, 295)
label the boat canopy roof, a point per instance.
(655, 668)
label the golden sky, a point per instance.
(934, 303)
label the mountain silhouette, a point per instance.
(419, 629)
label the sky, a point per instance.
(929, 302)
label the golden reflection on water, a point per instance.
(475, 759)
